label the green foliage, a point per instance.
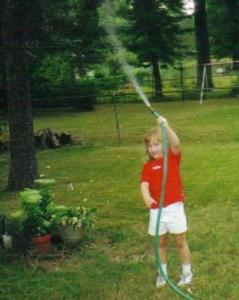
(223, 18)
(56, 69)
(35, 208)
(39, 215)
(90, 47)
(86, 97)
(75, 216)
(188, 36)
(70, 29)
(80, 94)
(153, 29)
(37, 221)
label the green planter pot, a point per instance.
(71, 235)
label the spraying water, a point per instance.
(110, 28)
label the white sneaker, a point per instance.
(185, 279)
(160, 282)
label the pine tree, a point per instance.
(202, 41)
(223, 18)
(154, 34)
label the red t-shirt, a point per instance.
(153, 174)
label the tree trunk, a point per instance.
(157, 78)
(202, 42)
(233, 7)
(23, 166)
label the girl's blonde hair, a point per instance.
(154, 134)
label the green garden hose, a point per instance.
(108, 9)
(164, 181)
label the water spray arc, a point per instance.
(110, 28)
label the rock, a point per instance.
(65, 138)
(46, 138)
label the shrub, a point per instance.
(75, 216)
(34, 218)
(82, 95)
(86, 96)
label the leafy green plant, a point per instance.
(35, 208)
(39, 215)
(75, 216)
(86, 97)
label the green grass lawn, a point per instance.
(117, 261)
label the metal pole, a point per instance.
(117, 124)
(203, 83)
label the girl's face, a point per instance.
(155, 149)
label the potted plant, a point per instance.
(35, 205)
(72, 222)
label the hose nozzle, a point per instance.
(156, 114)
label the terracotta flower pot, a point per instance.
(42, 244)
(71, 235)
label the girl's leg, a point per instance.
(183, 249)
(163, 248)
(163, 253)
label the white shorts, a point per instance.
(173, 220)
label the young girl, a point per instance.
(173, 219)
